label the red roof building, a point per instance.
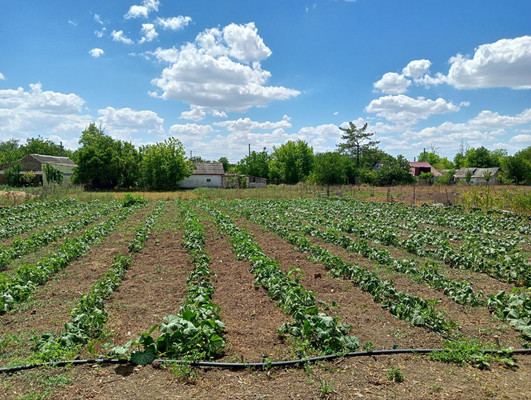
(416, 168)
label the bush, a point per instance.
(12, 175)
(129, 199)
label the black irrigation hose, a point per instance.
(264, 364)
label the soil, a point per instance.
(155, 285)
(48, 308)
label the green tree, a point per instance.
(357, 141)
(459, 160)
(291, 163)
(103, 162)
(44, 146)
(435, 160)
(10, 151)
(468, 177)
(394, 173)
(481, 158)
(226, 164)
(12, 175)
(255, 164)
(330, 168)
(518, 167)
(163, 165)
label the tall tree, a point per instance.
(394, 172)
(518, 167)
(481, 158)
(163, 165)
(44, 146)
(291, 163)
(10, 151)
(225, 162)
(330, 168)
(103, 162)
(357, 140)
(255, 164)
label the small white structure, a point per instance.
(204, 175)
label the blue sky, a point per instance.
(220, 75)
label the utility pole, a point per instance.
(190, 154)
(249, 149)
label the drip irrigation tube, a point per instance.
(264, 364)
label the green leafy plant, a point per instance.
(395, 375)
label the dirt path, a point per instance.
(250, 316)
(154, 285)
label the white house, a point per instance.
(204, 175)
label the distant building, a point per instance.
(416, 168)
(376, 166)
(477, 175)
(256, 182)
(204, 175)
(34, 162)
(212, 175)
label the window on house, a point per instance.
(208, 180)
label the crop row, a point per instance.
(496, 257)
(12, 225)
(514, 308)
(459, 291)
(403, 305)
(195, 333)
(313, 328)
(26, 208)
(19, 283)
(90, 314)
(37, 240)
(453, 217)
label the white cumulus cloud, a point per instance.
(118, 36)
(505, 63)
(247, 125)
(165, 55)
(28, 113)
(194, 130)
(392, 83)
(100, 33)
(143, 10)
(221, 70)
(2, 77)
(416, 68)
(521, 139)
(121, 123)
(196, 113)
(126, 119)
(96, 52)
(406, 110)
(174, 23)
(148, 33)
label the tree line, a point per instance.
(107, 163)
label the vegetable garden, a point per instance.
(160, 287)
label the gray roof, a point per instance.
(53, 159)
(213, 168)
(480, 172)
(461, 172)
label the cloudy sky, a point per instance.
(220, 75)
